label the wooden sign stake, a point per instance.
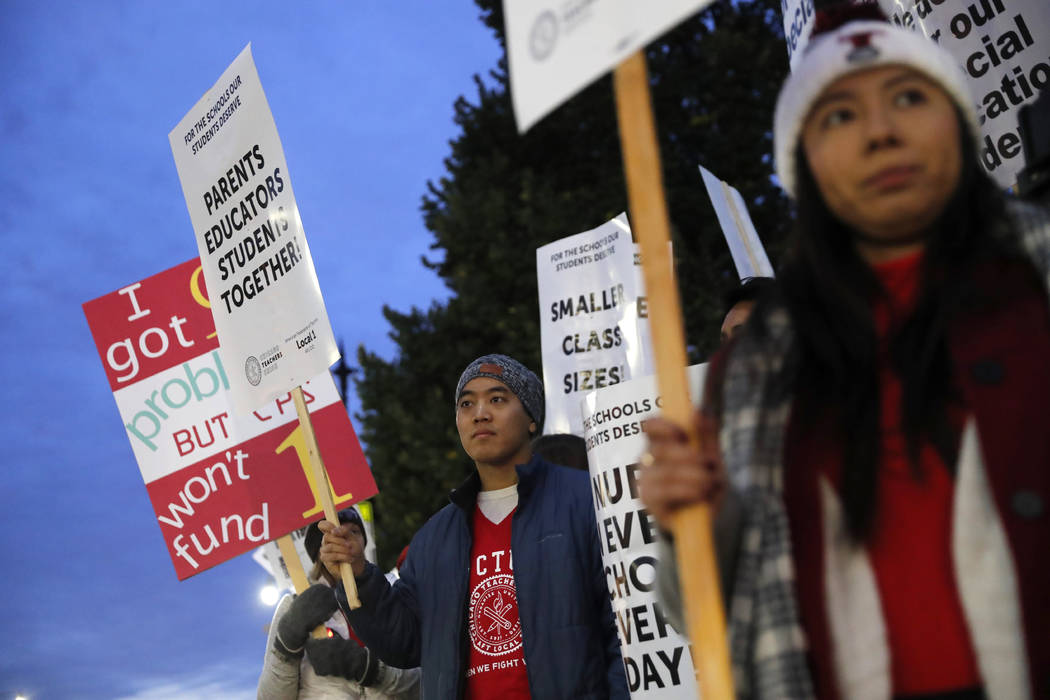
(738, 219)
(292, 563)
(297, 574)
(694, 543)
(324, 490)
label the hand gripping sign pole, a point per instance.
(323, 489)
(694, 544)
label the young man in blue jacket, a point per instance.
(503, 592)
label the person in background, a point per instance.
(502, 594)
(739, 303)
(337, 666)
(562, 448)
(882, 420)
(395, 573)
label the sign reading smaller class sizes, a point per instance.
(221, 483)
(593, 320)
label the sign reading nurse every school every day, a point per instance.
(1003, 46)
(220, 483)
(267, 305)
(656, 656)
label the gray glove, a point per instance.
(311, 607)
(336, 656)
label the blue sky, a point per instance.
(362, 94)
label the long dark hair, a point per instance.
(828, 290)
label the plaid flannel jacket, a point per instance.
(767, 644)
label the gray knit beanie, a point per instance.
(518, 378)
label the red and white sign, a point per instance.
(221, 484)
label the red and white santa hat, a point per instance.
(840, 46)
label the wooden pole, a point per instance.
(324, 490)
(293, 563)
(297, 574)
(694, 544)
(727, 192)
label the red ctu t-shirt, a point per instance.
(496, 667)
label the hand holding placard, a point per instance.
(325, 491)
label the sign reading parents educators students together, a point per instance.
(555, 48)
(221, 483)
(1004, 47)
(656, 657)
(592, 319)
(267, 306)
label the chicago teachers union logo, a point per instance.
(253, 370)
(494, 626)
(544, 35)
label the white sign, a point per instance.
(656, 656)
(364, 509)
(273, 562)
(1004, 48)
(591, 322)
(744, 245)
(640, 357)
(273, 329)
(557, 48)
(798, 17)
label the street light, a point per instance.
(269, 595)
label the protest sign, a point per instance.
(1004, 48)
(798, 18)
(556, 49)
(268, 310)
(270, 557)
(220, 483)
(656, 656)
(590, 321)
(260, 557)
(749, 256)
(641, 360)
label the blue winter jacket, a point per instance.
(568, 632)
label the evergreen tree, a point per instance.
(714, 82)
